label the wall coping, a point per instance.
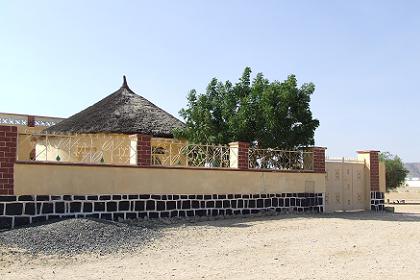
(317, 147)
(238, 143)
(368, 151)
(27, 115)
(162, 167)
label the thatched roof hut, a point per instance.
(121, 112)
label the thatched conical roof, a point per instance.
(121, 112)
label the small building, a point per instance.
(122, 112)
(106, 132)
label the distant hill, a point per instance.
(414, 168)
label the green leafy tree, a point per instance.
(263, 113)
(395, 170)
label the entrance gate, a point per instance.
(346, 188)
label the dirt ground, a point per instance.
(330, 246)
(406, 193)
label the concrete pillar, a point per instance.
(133, 149)
(144, 150)
(372, 162)
(318, 159)
(31, 121)
(238, 157)
(8, 152)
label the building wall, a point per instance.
(87, 148)
(112, 148)
(26, 142)
(57, 179)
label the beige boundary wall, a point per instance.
(59, 178)
(382, 177)
(347, 185)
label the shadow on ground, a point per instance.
(237, 221)
(244, 222)
(75, 236)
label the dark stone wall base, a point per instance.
(26, 209)
(377, 201)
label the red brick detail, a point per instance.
(8, 146)
(243, 155)
(144, 150)
(319, 159)
(374, 170)
(31, 121)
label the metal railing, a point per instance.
(13, 119)
(22, 120)
(274, 159)
(191, 155)
(78, 148)
(116, 149)
(46, 121)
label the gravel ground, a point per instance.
(352, 246)
(77, 236)
(73, 237)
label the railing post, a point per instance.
(31, 121)
(133, 149)
(144, 150)
(318, 159)
(8, 152)
(238, 157)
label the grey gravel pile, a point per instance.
(76, 236)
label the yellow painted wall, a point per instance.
(348, 184)
(68, 179)
(26, 142)
(168, 152)
(347, 187)
(382, 177)
(112, 148)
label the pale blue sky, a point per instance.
(58, 57)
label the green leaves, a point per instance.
(266, 114)
(395, 170)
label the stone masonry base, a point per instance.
(26, 209)
(377, 201)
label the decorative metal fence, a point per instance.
(280, 159)
(45, 121)
(11, 119)
(191, 155)
(122, 150)
(78, 148)
(22, 120)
